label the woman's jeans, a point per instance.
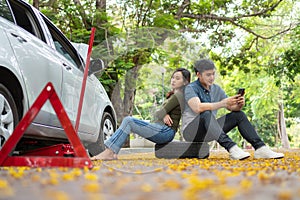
(154, 132)
(205, 128)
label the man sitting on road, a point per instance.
(203, 99)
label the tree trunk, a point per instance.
(130, 90)
(282, 128)
(36, 4)
(101, 5)
(117, 102)
(124, 107)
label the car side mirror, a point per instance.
(96, 65)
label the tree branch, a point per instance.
(261, 12)
(233, 20)
(181, 8)
(146, 13)
(83, 15)
(258, 35)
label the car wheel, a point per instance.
(106, 131)
(8, 114)
(108, 126)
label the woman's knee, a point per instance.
(126, 121)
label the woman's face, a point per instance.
(177, 80)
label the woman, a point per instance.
(164, 126)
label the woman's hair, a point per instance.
(185, 73)
(186, 76)
(203, 65)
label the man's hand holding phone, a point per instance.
(241, 91)
(241, 98)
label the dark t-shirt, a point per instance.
(195, 89)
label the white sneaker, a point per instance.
(266, 152)
(237, 153)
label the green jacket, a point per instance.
(171, 106)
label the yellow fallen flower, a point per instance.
(93, 187)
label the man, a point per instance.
(203, 99)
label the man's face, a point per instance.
(207, 77)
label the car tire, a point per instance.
(107, 128)
(8, 114)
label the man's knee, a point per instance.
(239, 114)
(206, 114)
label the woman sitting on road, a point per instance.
(164, 127)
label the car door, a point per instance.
(72, 82)
(34, 56)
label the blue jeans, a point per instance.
(154, 132)
(205, 127)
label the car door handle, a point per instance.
(66, 66)
(21, 39)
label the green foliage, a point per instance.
(287, 64)
(267, 131)
(232, 33)
(262, 97)
(293, 132)
(221, 37)
(66, 15)
(164, 20)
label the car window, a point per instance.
(63, 46)
(5, 11)
(26, 19)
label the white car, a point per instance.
(33, 52)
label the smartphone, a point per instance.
(241, 91)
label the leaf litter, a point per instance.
(142, 176)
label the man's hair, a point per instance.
(203, 65)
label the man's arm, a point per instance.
(234, 103)
(198, 107)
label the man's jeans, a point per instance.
(154, 132)
(205, 128)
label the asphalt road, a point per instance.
(139, 175)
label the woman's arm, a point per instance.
(169, 105)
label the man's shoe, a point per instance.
(266, 152)
(237, 153)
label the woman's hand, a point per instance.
(168, 120)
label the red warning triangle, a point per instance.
(80, 159)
